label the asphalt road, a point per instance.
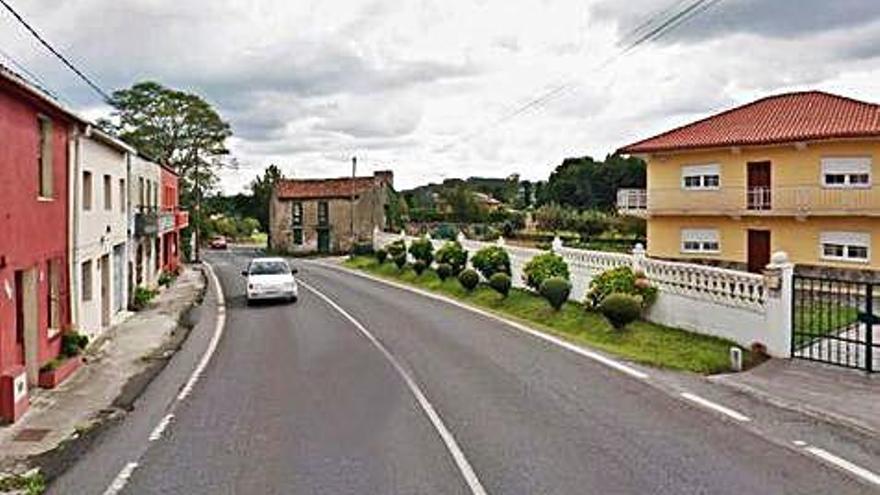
(297, 400)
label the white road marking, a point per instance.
(799, 443)
(844, 464)
(595, 356)
(160, 428)
(121, 479)
(458, 456)
(215, 339)
(716, 407)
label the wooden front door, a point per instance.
(105, 290)
(323, 240)
(758, 250)
(759, 186)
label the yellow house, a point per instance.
(794, 172)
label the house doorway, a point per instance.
(118, 276)
(758, 250)
(758, 180)
(104, 267)
(27, 341)
(323, 240)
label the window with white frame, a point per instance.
(846, 172)
(846, 246)
(700, 241)
(700, 177)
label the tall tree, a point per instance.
(173, 127)
(261, 189)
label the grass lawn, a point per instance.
(641, 342)
(814, 320)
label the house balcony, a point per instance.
(181, 219)
(799, 201)
(146, 222)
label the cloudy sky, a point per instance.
(427, 87)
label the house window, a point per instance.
(155, 195)
(87, 280)
(122, 195)
(53, 294)
(87, 190)
(846, 246)
(298, 236)
(700, 241)
(140, 192)
(846, 172)
(108, 192)
(296, 213)
(701, 177)
(44, 157)
(323, 213)
(146, 202)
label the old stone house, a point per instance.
(315, 215)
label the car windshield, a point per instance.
(269, 268)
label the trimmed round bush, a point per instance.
(469, 279)
(454, 255)
(542, 267)
(621, 309)
(491, 260)
(396, 248)
(621, 280)
(419, 266)
(381, 255)
(501, 283)
(422, 250)
(444, 271)
(400, 261)
(556, 291)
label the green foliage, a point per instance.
(469, 279)
(584, 183)
(501, 283)
(362, 248)
(166, 277)
(444, 271)
(400, 261)
(381, 255)
(231, 227)
(552, 217)
(445, 231)
(142, 297)
(26, 484)
(454, 255)
(73, 343)
(621, 309)
(261, 192)
(588, 223)
(543, 267)
(556, 291)
(491, 260)
(396, 248)
(422, 250)
(461, 205)
(419, 266)
(620, 280)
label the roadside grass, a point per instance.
(641, 341)
(817, 319)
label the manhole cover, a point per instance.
(31, 435)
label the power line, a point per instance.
(94, 86)
(33, 78)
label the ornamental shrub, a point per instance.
(468, 279)
(381, 255)
(422, 250)
(556, 291)
(419, 266)
(453, 255)
(501, 283)
(444, 271)
(542, 267)
(400, 261)
(624, 281)
(396, 248)
(491, 260)
(73, 343)
(621, 309)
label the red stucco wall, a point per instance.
(32, 231)
(170, 201)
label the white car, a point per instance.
(270, 278)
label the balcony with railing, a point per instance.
(745, 201)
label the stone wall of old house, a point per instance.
(369, 211)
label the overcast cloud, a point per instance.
(416, 86)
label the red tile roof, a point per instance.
(325, 188)
(785, 118)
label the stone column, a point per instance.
(779, 281)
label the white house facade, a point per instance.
(145, 249)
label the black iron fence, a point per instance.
(833, 321)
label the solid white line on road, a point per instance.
(457, 455)
(160, 428)
(595, 356)
(844, 464)
(715, 407)
(121, 479)
(215, 339)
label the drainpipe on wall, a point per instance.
(74, 166)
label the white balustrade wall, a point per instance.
(726, 303)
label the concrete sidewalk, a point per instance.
(97, 391)
(840, 395)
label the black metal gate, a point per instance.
(833, 321)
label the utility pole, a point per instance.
(353, 172)
(198, 210)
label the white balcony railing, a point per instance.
(782, 200)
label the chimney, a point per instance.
(384, 176)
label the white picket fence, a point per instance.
(726, 303)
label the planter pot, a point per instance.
(52, 378)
